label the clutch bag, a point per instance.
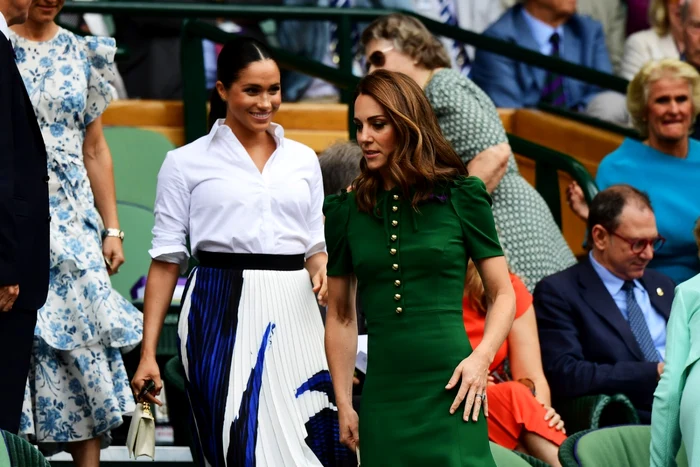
(141, 439)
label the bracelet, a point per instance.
(113, 233)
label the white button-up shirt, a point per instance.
(211, 191)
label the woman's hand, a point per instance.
(113, 253)
(148, 369)
(576, 200)
(473, 371)
(349, 428)
(554, 419)
(320, 286)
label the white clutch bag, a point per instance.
(141, 440)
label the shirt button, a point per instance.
(399, 309)
(394, 208)
(396, 197)
(393, 238)
(397, 297)
(392, 251)
(394, 223)
(395, 267)
(397, 283)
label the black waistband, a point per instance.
(250, 261)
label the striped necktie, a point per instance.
(638, 324)
(458, 53)
(553, 91)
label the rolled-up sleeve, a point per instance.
(317, 242)
(172, 209)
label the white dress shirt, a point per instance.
(644, 46)
(211, 191)
(4, 28)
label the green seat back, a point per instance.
(137, 222)
(137, 155)
(17, 452)
(506, 458)
(622, 446)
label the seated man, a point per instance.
(602, 322)
(550, 27)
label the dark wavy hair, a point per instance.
(423, 157)
(234, 57)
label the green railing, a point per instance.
(548, 163)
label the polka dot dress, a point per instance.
(531, 240)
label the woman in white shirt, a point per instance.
(251, 335)
(663, 40)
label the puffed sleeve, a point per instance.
(317, 242)
(99, 53)
(336, 208)
(172, 213)
(472, 204)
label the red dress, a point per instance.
(512, 407)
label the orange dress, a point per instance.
(512, 407)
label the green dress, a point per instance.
(410, 265)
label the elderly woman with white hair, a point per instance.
(663, 100)
(663, 40)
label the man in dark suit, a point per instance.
(602, 322)
(550, 27)
(24, 223)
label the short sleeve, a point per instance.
(472, 204)
(523, 298)
(171, 211)
(99, 53)
(336, 208)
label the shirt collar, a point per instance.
(541, 31)
(4, 28)
(611, 281)
(219, 129)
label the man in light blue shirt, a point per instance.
(602, 322)
(550, 27)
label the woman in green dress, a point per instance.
(404, 235)
(531, 240)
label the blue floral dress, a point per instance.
(77, 387)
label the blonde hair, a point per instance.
(659, 17)
(638, 89)
(409, 36)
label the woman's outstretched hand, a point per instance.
(473, 373)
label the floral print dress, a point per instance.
(77, 387)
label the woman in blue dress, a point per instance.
(77, 388)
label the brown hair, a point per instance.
(422, 157)
(474, 290)
(409, 36)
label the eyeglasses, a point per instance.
(377, 58)
(638, 245)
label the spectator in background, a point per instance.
(521, 416)
(602, 322)
(663, 40)
(663, 101)
(78, 388)
(477, 15)
(551, 27)
(340, 165)
(531, 240)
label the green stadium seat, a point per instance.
(17, 452)
(137, 222)
(137, 155)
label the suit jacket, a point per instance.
(587, 345)
(24, 196)
(682, 352)
(644, 46)
(513, 84)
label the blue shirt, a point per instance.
(542, 32)
(655, 321)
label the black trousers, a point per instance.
(16, 339)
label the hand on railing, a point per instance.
(576, 200)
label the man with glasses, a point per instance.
(602, 322)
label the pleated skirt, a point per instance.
(257, 380)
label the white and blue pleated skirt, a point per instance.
(257, 379)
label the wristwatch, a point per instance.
(114, 233)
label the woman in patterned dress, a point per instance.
(531, 240)
(77, 388)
